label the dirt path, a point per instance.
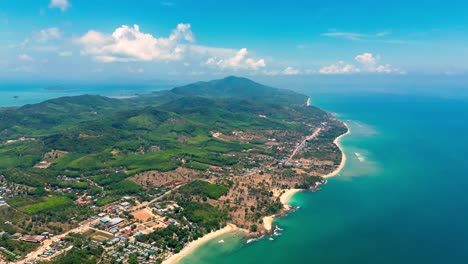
(46, 244)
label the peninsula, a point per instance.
(94, 179)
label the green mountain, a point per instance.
(240, 88)
(99, 133)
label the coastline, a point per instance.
(267, 220)
(343, 155)
(190, 247)
(286, 196)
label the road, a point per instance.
(46, 244)
(303, 143)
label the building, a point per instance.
(33, 239)
(115, 221)
(104, 220)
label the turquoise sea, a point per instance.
(404, 201)
(401, 198)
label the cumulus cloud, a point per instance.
(339, 68)
(61, 4)
(367, 63)
(240, 60)
(366, 59)
(47, 34)
(25, 57)
(130, 44)
(290, 71)
(370, 63)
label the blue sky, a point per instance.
(175, 39)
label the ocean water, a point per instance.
(401, 198)
(17, 95)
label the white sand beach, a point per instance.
(286, 196)
(343, 155)
(197, 243)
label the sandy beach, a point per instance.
(197, 243)
(267, 221)
(286, 196)
(343, 155)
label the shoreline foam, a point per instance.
(190, 247)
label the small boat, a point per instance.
(221, 241)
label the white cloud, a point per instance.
(271, 72)
(366, 59)
(61, 4)
(130, 44)
(368, 63)
(238, 61)
(290, 71)
(355, 36)
(47, 34)
(209, 51)
(339, 68)
(25, 57)
(65, 53)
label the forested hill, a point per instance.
(241, 88)
(179, 122)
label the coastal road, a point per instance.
(303, 143)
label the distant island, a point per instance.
(138, 180)
(58, 88)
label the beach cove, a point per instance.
(267, 221)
